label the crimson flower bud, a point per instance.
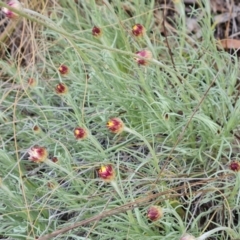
(80, 133)
(115, 125)
(14, 4)
(235, 166)
(138, 30)
(146, 54)
(37, 154)
(154, 213)
(63, 69)
(106, 173)
(96, 32)
(61, 89)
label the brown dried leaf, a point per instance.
(229, 43)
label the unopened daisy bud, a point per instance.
(63, 69)
(36, 129)
(106, 173)
(61, 89)
(138, 30)
(166, 116)
(37, 154)
(14, 4)
(32, 82)
(143, 53)
(115, 125)
(80, 133)
(96, 32)
(154, 213)
(54, 159)
(235, 166)
(187, 236)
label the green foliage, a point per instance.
(181, 114)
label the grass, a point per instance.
(181, 113)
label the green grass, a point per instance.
(181, 114)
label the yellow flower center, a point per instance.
(110, 123)
(103, 169)
(135, 27)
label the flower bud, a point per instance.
(36, 129)
(235, 166)
(115, 125)
(106, 173)
(61, 89)
(143, 53)
(96, 32)
(138, 30)
(154, 213)
(32, 82)
(80, 133)
(14, 4)
(54, 159)
(37, 154)
(63, 69)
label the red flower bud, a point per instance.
(96, 31)
(154, 213)
(80, 133)
(63, 69)
(138, 30)
(115, 125)
(14, 4)
(37, 154)
(61, 89)
(146, 54)
(235, 166)
(106, 173)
